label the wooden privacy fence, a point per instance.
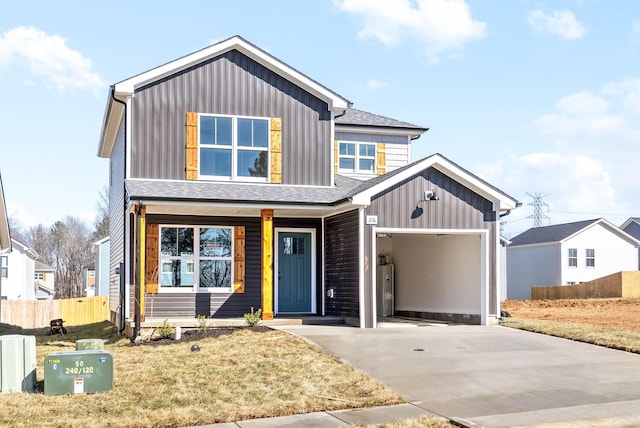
(621, 284)
(39, 313)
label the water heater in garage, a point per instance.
(385, 290)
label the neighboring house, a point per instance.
(567, 254)
(236, 181)
(45, 281)
(18, 273)
(89, 279)
(632, 227)
(101, 251)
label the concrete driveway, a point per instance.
(493, 376)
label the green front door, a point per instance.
(294, 272)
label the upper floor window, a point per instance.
(357, 157)
(590, 260)
(573, 257)
(196, 257)
(39, 276)
(233, 147)
(4, 266)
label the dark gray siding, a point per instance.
(458, 208)
(230, 84)
(633, 229)
(341, 266)
(116, 216)
(213, 304)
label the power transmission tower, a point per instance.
(538, 203)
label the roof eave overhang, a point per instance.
(111, 123)
(413, 133)
(5, 234)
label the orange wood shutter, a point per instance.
(238, 259)
(336, 146)
(191, 155)
(381, 158)
(151, 258)
(276, 150)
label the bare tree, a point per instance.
(39, 238)
(101, 224)
(71, 242)
(16, 230)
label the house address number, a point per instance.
(372, 219)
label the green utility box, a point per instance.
(78, 372)
(89, 345)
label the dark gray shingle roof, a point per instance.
(362, 118)
(235, 192)
(554, 233)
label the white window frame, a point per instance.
(235, 148)
(4, 266)
(357, 157)
(574, 258)
(192, 262)
(588, 258)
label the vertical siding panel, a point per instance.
(116, 216)
(230, 84)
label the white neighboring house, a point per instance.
(18, 273)
(567, 254)
(101, 251)
(45, 281)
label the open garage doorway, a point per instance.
(439, 275)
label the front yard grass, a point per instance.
(243, 375)
(611, 337)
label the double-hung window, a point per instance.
(357, 157)
(590, 260)
(4, 268)
(234, 148)
(573, 257)
(193, 258)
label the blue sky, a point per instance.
(535, 96)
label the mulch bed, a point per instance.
(194, 335)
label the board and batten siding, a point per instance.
(116, 217)
(458, 208)
(342, 265)
(190, 304)
(229, 84)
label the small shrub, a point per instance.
(165, 330)
(202, 322)
(253, 318)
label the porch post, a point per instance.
(140, 267)
(267, 263)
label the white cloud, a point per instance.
(582, 103)
(373, 84)
(48, 56)
(439, 26)
(586, 157)
(562, 23)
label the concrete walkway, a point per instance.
(479, 376)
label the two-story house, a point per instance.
(45, 281)
(236, 181)
(568, 254)
(18, 272)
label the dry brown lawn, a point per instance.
(244, 375)
(614, 323)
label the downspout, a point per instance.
(123, 275)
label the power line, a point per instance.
(537, 204)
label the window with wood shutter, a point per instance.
(239, 148)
